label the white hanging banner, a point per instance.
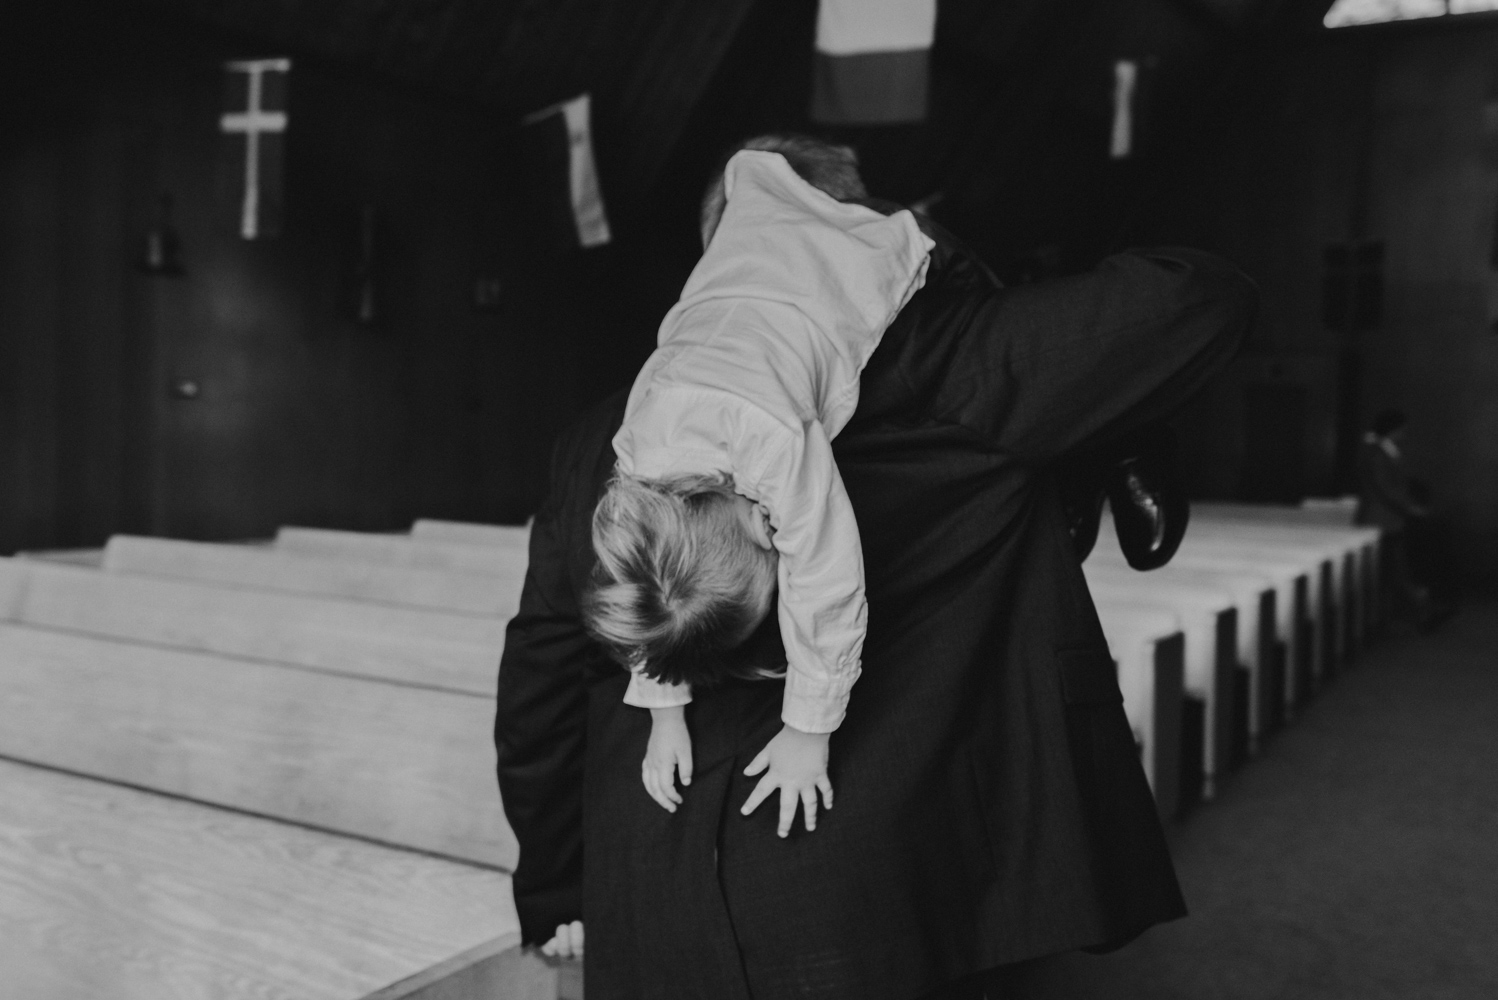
(872, 61)
(585, 194)
(1125, 86)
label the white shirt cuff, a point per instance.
(815, 707)
(643, 692)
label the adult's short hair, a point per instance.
(1388, 421)
(826, 166)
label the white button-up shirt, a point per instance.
(755, 372)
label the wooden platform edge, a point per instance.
(498, 969)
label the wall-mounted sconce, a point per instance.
(163, 249)
(488, 294)
(185, 388)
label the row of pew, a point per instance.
(1260, 607)
(260, 770)
(266, 769)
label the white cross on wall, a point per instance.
(1125, 83)
(253, 121)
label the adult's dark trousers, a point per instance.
(1006, 982)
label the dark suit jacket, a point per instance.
(990, 802)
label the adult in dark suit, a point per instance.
(1416, 562)
(991, 807)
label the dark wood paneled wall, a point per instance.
(644, 62)
(304, 415)
(442, 410)
(1387, 135)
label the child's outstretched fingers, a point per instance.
(809, 804)
(795, 762)
(761, 792)
(759, 763)
(684, 765)
(789, 800)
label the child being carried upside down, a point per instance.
(726, 487)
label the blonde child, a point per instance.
(726, 488)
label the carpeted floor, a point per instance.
(1356, 858)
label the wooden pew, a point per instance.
(405, 551)
(1294, 628)
(496, 970)
(1331, 524)
(120, 893)
(349, 757)
(1354, 548)
(1260, 655)
(1209, 626)
(392, 763)
(1339, 513)
(73, 557)
(1149, 650)
(271, 569)
(1300, 574)
(469, 533)
(456, 652)
(1317, 649)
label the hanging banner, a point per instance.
(1133, 87)
(254, 126)
(1125, 85)
(872, 61)
(559, 148)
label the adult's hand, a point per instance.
(1150, 510)
(566, 943)
(797, 765)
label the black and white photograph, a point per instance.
(749, 500)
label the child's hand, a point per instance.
(797, 765)
(669, 750)
(566, 943)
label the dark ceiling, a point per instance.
(1018, 86)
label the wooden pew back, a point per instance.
(271, 569)
(1296, 619)
(459, 652)
(1149, 651)
(1260, 651)
(395, 764)
(403, 550)
(1209, 628)
(469, 533)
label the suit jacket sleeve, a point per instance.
(541, 718)
(1047, 369)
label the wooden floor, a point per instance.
(1357, 859)
(108, 893)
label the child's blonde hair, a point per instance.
(680, 581)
